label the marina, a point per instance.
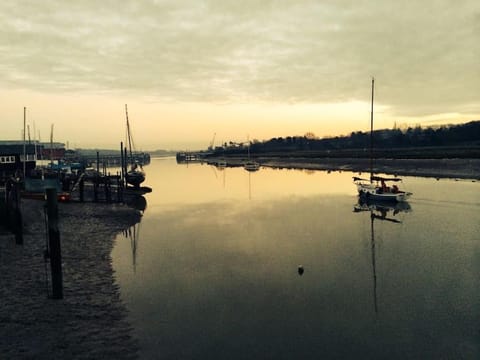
(298, 249)
(182, 185)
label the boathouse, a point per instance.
(52, 151)
(12, 157)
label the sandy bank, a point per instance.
(90, 322)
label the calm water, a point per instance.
(213, 271)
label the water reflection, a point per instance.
(137, 202)
(217, 275)
(133, 234)
(383, 212)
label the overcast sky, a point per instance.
(189, 69)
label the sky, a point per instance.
(191, 70)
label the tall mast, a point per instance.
(51, 145)
(24, 144)
(128, 135)
(371, 132)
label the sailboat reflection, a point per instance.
(137, 202)
(384, 212)
(133, 232)
(222, 169)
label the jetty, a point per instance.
(192, 156)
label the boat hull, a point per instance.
(251, 166)
(135, 178)
(373, 192)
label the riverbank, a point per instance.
(90, 322)
(438, 168)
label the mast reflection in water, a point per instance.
(217, 272)
(382, 211)
(133, 232)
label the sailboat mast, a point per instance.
(371, 132)
(51, 145)
(128, 135)
(24, 144)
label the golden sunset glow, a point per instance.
(191, 70)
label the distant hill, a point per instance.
(411, 142)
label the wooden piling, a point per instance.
(18, 226)
(81, 188)
(13, 210)
(122, 160)
(98, 162)
(54, 244)
(18, 220)
(125, 167)
(106, 184)
(119, 190)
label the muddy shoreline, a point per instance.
(90, 321)
(437, 168)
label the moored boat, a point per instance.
(376, 187)
(251, 166)
(135, 176)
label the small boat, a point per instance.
(221, 164)
(135, 176)
(376, 187)
(35, 188)
(251, 166)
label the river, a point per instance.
(213, 271)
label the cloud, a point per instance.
(424, 55)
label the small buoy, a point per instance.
(300, 270)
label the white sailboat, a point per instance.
(135, 175)
(250, 165)
(376, 187)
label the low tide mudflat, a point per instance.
(90, 322)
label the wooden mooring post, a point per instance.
(122, 161)
(54, 244)
(17, 216)
(81, 188)
(13, 210)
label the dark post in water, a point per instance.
(54, 244)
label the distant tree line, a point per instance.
(443, 136)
